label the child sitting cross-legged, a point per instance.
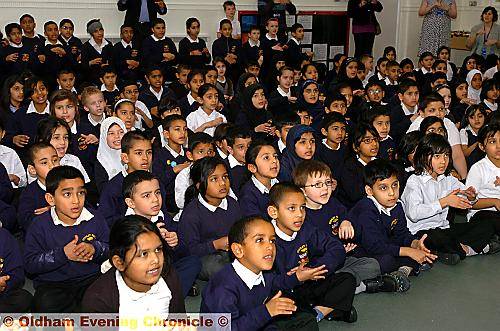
(380, 224)
(64, 246)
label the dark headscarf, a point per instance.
(290, 158)
(254, 117)
(316, 110)
(355, 83)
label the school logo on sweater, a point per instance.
(1, 265)
(302, 252)
(171, 163)
(390, 153)
(394, 223)
(89, 237)
(334, 224)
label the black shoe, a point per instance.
(374, 285)
(344, 316)
(401, 281)
(448, 258)
(194, 291)
(494, 247)
(425, 267)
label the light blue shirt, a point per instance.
(144, 14)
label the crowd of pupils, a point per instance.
(128, 173)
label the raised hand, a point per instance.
(305, 273)
(280, 306)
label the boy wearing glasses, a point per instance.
(328, 215)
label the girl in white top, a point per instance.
(108, 153)
(56, 132)
(206, 117)
(475, 81)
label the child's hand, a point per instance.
(15, 179)
(497, 181)
(3, 282)
(453, 200)
(196, 52)
(12, 57)
(69, 250)
(89, 139)
(346, 231)
(304, 273)
(470, 193)
(96, 61)
(264, 127)
(280, 306)
(277, 47)
(221, 244)
(178, 168)
(349, 247)
(168, 56)
(132, 64)
(292, 99)
(20, 140)
(41, 58)
(42, 210)
(419, 244)
(214, 122)
(170, 237)
(421, 256)
(85, 251)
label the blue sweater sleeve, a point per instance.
(327, 250)
(189, 232)
(38, 258)
(373, 238)
(7, 216)
(12, 261)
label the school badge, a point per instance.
(302, 252)
(89, 237)
(334, 224)
(394, 223)
(171, 163)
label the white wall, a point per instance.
(397, 13)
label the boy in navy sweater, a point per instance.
(404, 110)
(154, 91)
(64, 246)
(284, 122)
(251, 50)
(293, 53)
(238, 141)
(380, 224)
(159, 50)
(55, 55)
(301, 245)
(126, 57)
(137, 154)
(13, 298)
(72, 44)
(227, 48)
(109, 90)
(42, 158)
(332, 148)
(244, 287)
(16, 56)
(380, 117)
(94, 104)
(171, 159)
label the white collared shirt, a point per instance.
(85, 216)
(282, 234)
(283, 93)
(125, 45)
(221, 153)
(281, 145)
(174, 153)
(97, 47)
(153, 219)
(15, 45)
(190, 98)
(381, 209)
(449, 71)
(248, 276)
(156, 94)
(142, 106)
(73, 128)
(379, 76)
(482, 176)
(233, 162)
(155, 301)
(223, 204)
(295, 40)
(421, 201)
(103, 88)
(157, 39)
(363, 162)
(193, 40)
(261, 187)
(13, 165)
(42, 186)
(69, 160)
(325, 143)
(492, 106)
(48, 43)
(451, 128)
(32, 109)
(409, 111)
(271, 38)
(253, 44)
(424, 71)
(388, 82)
(464, 137)
(94, 123)
(199, 117)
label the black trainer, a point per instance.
(494, 246)
(344, 316)
(448, 258)
(401, 280)
(373, 285)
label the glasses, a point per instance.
(369, 140)
(67, 27)
(328, 183)
(371, 92)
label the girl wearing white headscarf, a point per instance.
(475, 83)
(108, 153)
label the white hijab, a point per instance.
(107, 156)
(472, 93)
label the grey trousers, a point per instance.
(361, 268)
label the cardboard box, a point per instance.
(458, 42)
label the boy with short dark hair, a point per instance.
(33, 40)
(380, 118)
(127, 57)
(72, 44)
(300, 245)
(17, 56)
(393, 71)
(244, 287)
(66, 80)
(42, 157)
(404, 112)
(109, 89)
(180, 85)
(332, 149)
(154, 91)
(64, 246)
(251, 50)
(56, 57)
(380, 224)
(238, 141)
(137, 154)
(283, 122)
(293, 52)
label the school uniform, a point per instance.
(381, 232)
(6, 189)
(225, 88)
(101, 177)
(199, 117)
(351, 187)
(377, 77)
(151, 98)
(278, 100)
(400, 120)
(188, 105)
(60, 283)
(238, 174)
(451, 129)
(391, 89)
(53, 62)
(489, 106)
(250, 52)
(80, 155)
(186, 46)
(422, 75)
(164, 161)
(31, 199)
(122, 52)
(111, 97)
(73, 47)
(241, 292)
(468, 137)
(180, 90)
(256, 198)
(13, 164)
(267, 43)
(152, 53)
(333, 158)
(8, 217)
(27, 59)
(92, 51)
(35, 43)
(14, 299)
(328, 219)
(425, 216)
(164, 297)
(315, 248)
(293, 53)
(387, 149)
(200, 224)
(111, 201)
(88, 124)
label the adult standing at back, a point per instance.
(276, 9)
(436, 27)
(139, 15)
(364, 24)
(485, 37)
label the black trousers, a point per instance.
(60, 297)
(335, 291)
(363, 43)
(16, 301)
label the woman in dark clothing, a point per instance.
(364, 24)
